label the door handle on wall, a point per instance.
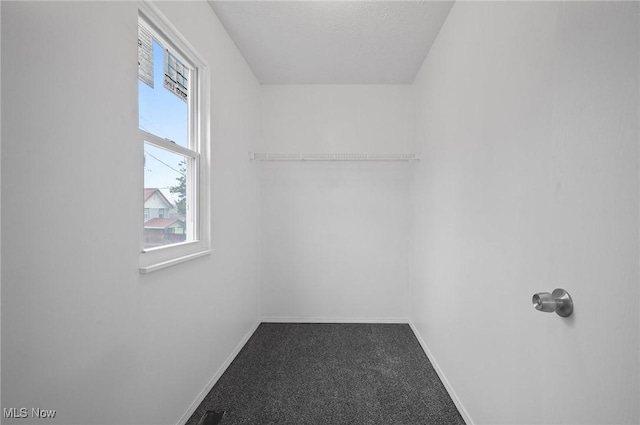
(559, 301)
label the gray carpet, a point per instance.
(311, 374)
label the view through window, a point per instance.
(169, 155)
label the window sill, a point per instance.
(172, 262)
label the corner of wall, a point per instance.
(452, 393)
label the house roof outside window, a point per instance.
(149, 192)
(163, 223)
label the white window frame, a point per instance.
(198, 213)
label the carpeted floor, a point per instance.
(312, 374)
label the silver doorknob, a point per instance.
(559, 301)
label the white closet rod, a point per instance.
(332, 157)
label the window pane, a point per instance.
(161, 111)
(165, 197)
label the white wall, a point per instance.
(335, 235)
(0, 188)
(337, 118)
(82, 331)
(527, 121)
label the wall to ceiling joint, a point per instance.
(333, 42)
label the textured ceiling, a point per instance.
(333, 42)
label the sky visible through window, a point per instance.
(165, 115)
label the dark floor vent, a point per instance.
(211, 418)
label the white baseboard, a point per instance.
(456, 400)
(185, 417)
(297, 319)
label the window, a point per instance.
(173, 134)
